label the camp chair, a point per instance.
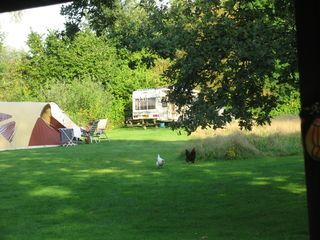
(91, 133)
(67, 136)
(101, 129)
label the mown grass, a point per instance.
(113, 190)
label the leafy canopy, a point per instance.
(59, 62)
(239, 55)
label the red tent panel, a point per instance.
(43, 134)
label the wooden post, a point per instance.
(308, 42)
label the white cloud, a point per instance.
(39, 20)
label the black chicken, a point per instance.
(191, 156)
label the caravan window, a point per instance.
(145, 103)
(164, 102)
(151, 103)
(136, 104)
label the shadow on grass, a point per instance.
(113, 190)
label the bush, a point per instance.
(290, 104)
(82, 100)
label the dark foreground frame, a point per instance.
(308, 29)
(14, 5)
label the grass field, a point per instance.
(113, 190)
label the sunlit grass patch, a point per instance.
(51, 191)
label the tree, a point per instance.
(240, 56)
(133, 24)
(84, 100)
(98, 14)
(58, 61)
(12, 87)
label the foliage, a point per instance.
(12, 88)
(85, 74)
(241, 57)
(97, 13)
(84, 100)
(290, 104)
(59, 61)
(134, 24)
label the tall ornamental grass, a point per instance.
(281, 138)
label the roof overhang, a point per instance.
(15, 5)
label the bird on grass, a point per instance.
(160, 161)
(190, 155)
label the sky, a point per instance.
(39, 20)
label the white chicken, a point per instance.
(160, 161)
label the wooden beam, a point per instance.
(15, 5)
(308, 42)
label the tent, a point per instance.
(30, 124)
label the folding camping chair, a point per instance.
(90, 134)
(67, 136)
(101, 129)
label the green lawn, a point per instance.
(113, 190)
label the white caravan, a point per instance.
(151, 104)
